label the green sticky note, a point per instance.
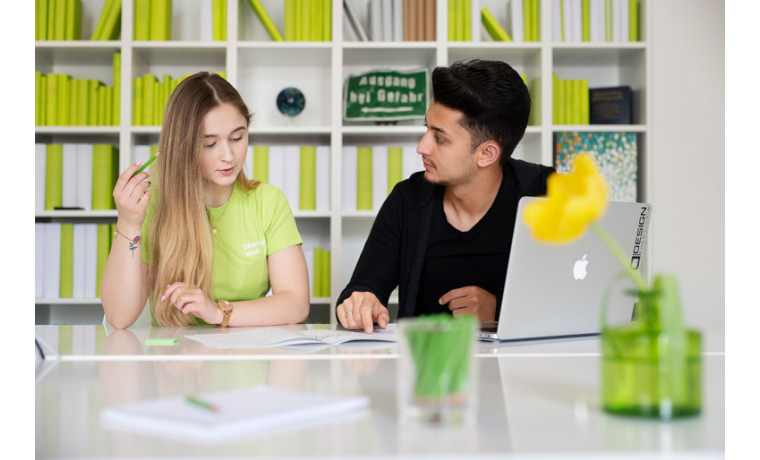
(161, 341)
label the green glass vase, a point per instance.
(652, 367)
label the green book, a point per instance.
(467, 7)
(160, 20)
(108, 105)
(633, 20)
(315, 21)
(268, 25)
(395, 167)
(290, 20)
(555, 99)
(67, 260)
(51, 99)
(527, 21)
(64, 99)
(83, 105)
(112, 27)
(306, 21)
(585, 115)
(101, 95)
(149, 95)
(451, 15)
(493, 28)
(535, 9)
(103, 180)
(567, 102)
(104, 248)
(73, 19)
(298, 21)
(59, 32)
(308, 201)
(51, 5)
(327, 20)
(460, 19)
(608, 20)
(325, 291)
(38, 99)
(576, 94)
(585, 21)
(92, 110)
(41, 18)
(54, 176)
(74, 102)
(43, 100)
(100, 25)
(318, 283)
(261, 163)
(562, 35)
(142, 19)
(116, 101)
(137, 101)
(216, 20)
(364, 179)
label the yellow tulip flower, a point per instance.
(574, 201)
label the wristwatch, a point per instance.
(226, 309)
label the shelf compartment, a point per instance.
(176, 61)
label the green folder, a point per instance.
(64, 99)
(51, 110)
(555, 99)
(59, 33)
(101, 20)
(73, 19)
(268, 25)
(108, 105)
(67, 260)
(73, 102)
(92, 110)
(290, 20)
(576, 94)
(43, 100)
(364, 179)
(297, 21)
(137, 101)
(41, 30)
(103, 180)
(149, 95)
(83, 105)
(527, 20)
(535, 97)
(467, 14)
(38, 98)
(585, 21)
(101, 95)
(261, 163)
(54, 176)
(585, 116)
(536, 28)
(142, 19)
(327, 20)
(51, 19)
(318, 283)
(395, 167)
(633, 20)
(219, 8)
(160, 20)
(116, 99)
(306, 21)
(104, 247)
(451, 15)
(608, 20)
(325, 291)
(493, 28)
(308, 187)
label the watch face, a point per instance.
(225, 305)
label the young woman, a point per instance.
(204, 244)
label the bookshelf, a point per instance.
(259, 68)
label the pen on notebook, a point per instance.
(147, 163)
(201, 403)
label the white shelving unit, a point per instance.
(259, 68)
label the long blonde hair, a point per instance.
(179, 235)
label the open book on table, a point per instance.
(238, 413)
(279, 337)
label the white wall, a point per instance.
(687, 187)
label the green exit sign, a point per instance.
(386, 95)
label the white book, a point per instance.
(375, 15)
(91, 261)
(348, 178)
(39, 260)
(387, 12)
(52, 263)
(353, 20)
(475, 20)
(624, 25)
(596, 20)
(207, 20)
(398, 20)
(567, 20)
(412, 161)
(69, 176)
(292, 168)
(577, 21)
(80, 261)
(518, 29)
(248, 164)
(84, 176)
(323, 178)
(556, 21)
(379, 176)
(240, 413)
(276, 163)
(40, 166)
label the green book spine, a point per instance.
(261, 163)
(102, 176)
(83, 106)
(527, 21)
(92, 110)
(142, 19)
(318, 272)
(395, 167)
(78, 20)
(315, 20)
(59, 32)
(535, 11)
(608, 20)
(493, 28)
(307, 18)
(268, 25)
(217, 9)
(108, 106)
(451, 15)
(576, 102)
(467, 7)
(41, 29)
(567, 102)
(149, 95)
(54, 176)
(364, 179)
(43, 100)
(69, 18)
(51, 19)
(585, 116)
(168, 21)
(51, 112)
(633, 20)
(104, 247)
(563, 37)
(38, 98)
(98, 33)
(73, 102)
(325, 274)
(160, 9)
(137, 101)
(327, 18)
(116, 101)
(308, 178)
(290, 20)
(555, 98)
(460, 18)
(64, 94)
(101, 106)
(586, 20)
(224, 20)
(67, 260)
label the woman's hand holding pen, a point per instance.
(131, 195)
(192, 301)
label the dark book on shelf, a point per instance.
(611, 106)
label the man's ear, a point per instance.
(488, 153)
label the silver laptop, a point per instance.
(556, 291)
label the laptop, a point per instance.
(554, 291)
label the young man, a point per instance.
(443, 236)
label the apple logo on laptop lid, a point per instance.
(579, 269)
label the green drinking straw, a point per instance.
(201, 403)
(147, 163)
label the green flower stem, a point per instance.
(621, 256)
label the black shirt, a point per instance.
(478, 257)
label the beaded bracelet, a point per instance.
(133, 243)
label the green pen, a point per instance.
(147, 163)
(201, 403)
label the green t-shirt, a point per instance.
(254, 225)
